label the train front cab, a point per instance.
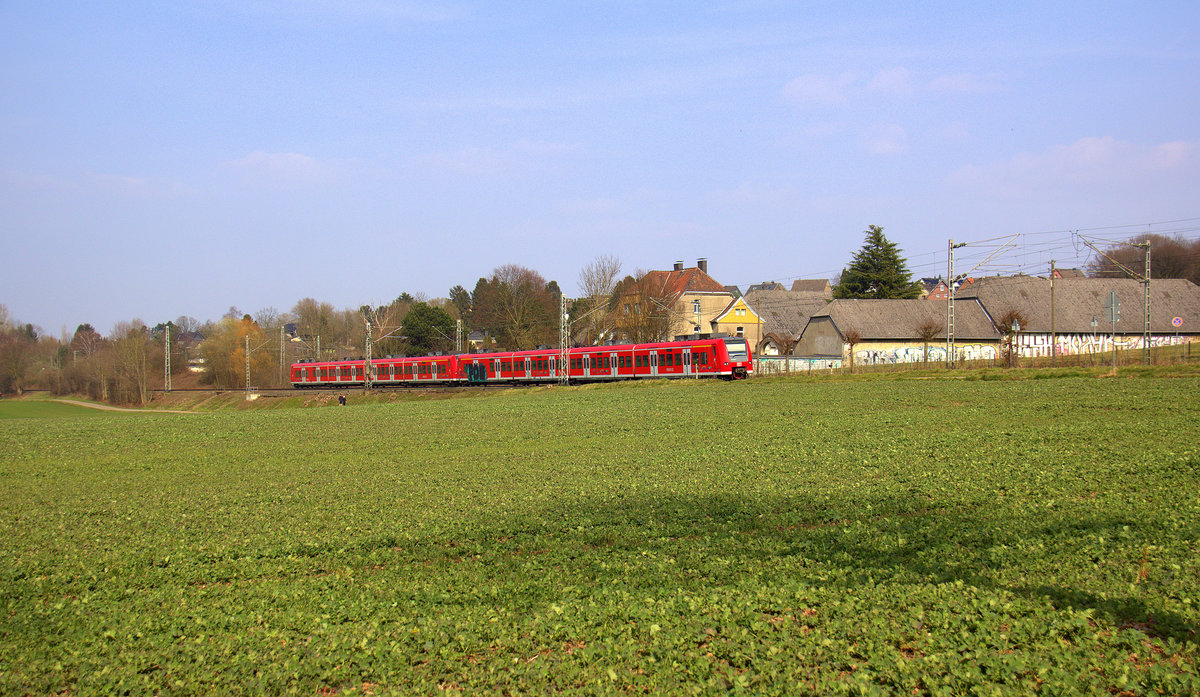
(737, 355)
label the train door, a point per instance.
(587, 365)
(528, 367)
(654, 363)
(686, 357)
(612, 365)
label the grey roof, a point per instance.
(812, 285)
(765, 285)
(1078, 300)
(899, 319)
(784, 312)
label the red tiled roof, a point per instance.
(691, 280)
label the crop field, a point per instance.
(774, 536)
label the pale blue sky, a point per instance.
(160, 159)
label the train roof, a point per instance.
(613, 348)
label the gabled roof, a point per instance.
(785, 312)
(1078, 300)
(675, 283)
(766, 285)
(899, 319)
(811, 285)
(733, 304)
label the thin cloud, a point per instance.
(824, 90)
(522, 156)
(1094, 164)
(364, 10)
(278, 167)
(897, 81)
(884, 139)
(820, 90)
(963, 83)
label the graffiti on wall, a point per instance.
(1038, 345)
(776, 365)
(916, 354)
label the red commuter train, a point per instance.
(725, 357)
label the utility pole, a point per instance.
(1144, 278)
(1146, 282)
(458, 336)
(247, 365)
(1053, 335)
(281, 355)
(167, 361)
(367, 361)
(950, 301)
(564, 338)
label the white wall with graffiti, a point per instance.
(1038, 345)
(783, 365)
(1028, 346)
(881, 353)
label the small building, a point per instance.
(738, 319)
(1077, 323)
(784, 314)
(765, 285)
(871, 332)
(686, 300)
(816, 286)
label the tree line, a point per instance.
(513, 308)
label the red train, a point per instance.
(726, 357)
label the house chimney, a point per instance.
(679, 266)
(702, 264)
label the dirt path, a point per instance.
(106, 407)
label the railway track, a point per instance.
(292, 392)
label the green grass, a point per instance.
(42, 409)
(775, 536)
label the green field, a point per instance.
(766, 537)
(42, 409)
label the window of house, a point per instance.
(740, 330)
(696, 306)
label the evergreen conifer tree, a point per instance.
(877, 271)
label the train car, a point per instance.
(725, 357)
(386, 372)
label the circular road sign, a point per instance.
(1177, 322)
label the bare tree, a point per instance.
(597, 281)
(852, 337)
(517, 306)
(130, 341)
(1170, 257)
(1009, 323)
(315, 324)
(17, 345)
(268, 318)
(926, 330)
(643, 309)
